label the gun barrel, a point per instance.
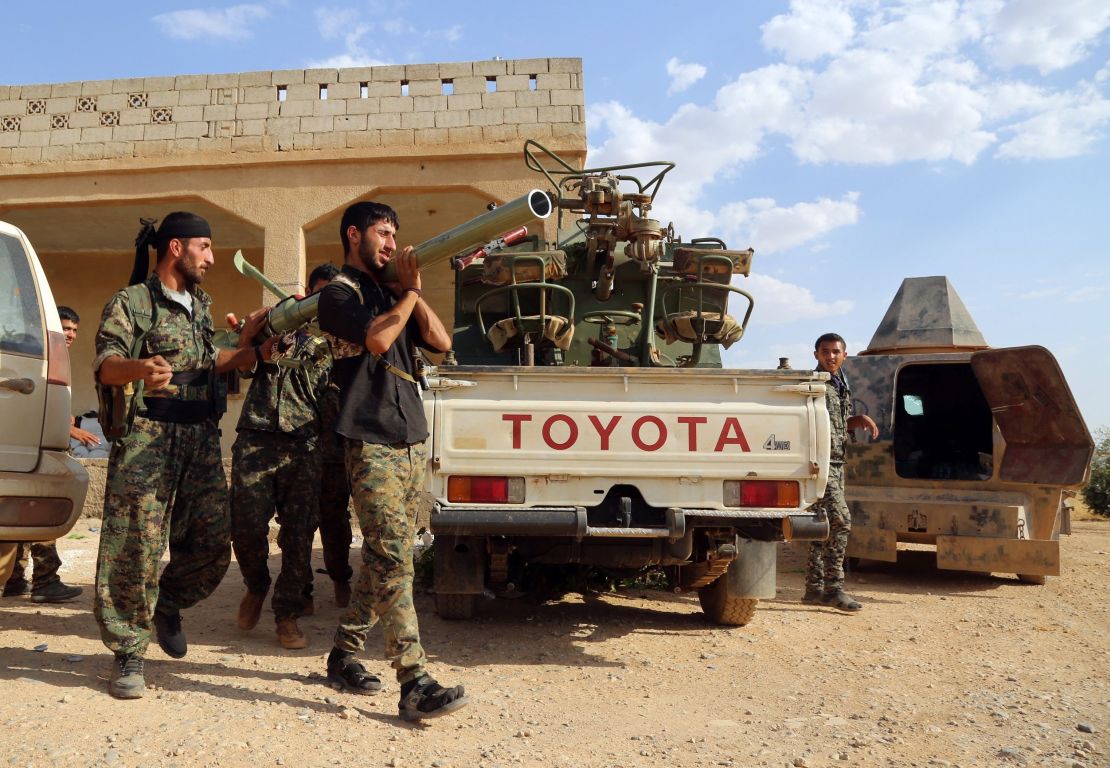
(479, 230)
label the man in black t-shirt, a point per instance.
(381, 419)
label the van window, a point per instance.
(943, 427)
(21, 330)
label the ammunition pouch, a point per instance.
(116, 409)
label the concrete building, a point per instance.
(271, 159)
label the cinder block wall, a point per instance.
(292, 110)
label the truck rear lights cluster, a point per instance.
(57, 365)
(780, 494)
(478, 489)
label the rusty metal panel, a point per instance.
(1047, 441)
(976, 553)
(873, 544)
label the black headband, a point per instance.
(183, 229)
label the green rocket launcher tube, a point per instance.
(479, 230)
(291, 313)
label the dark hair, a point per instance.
(65, 313)
(363, 215)
(829, 337)
(322, 272)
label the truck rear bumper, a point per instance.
(572, 522)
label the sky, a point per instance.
(852, 143)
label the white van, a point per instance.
(42, 489)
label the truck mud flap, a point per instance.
(752, 574)
(975, 553)
(874, 544)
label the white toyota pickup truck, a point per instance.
(584, 420)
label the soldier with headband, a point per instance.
(156, 368)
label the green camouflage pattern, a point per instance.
(840, 410)
(285, 397)
(165, 486)
(44, 556)
(825, 569)
(385, 483)
(275, 473)
(184, 341)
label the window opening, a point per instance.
(282, 92)
(943, 428)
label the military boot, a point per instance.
(171, 637)
(289, 635)
(250, 610)
(813, 596)
(841, 601)
(127, 677)
(16, 587)
(55, 592)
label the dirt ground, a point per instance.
(939, 669)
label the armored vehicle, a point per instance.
(976, 445)
(584, 418)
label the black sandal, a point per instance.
(426, 699)
(346, 674)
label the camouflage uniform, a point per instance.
(335, 494)
(165, 483)
(385, 482)
(46, 561)
(382, 420)
(825, 571)
(275, 467)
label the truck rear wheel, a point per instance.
(1028, 578)
(722, 609)
(451, 606)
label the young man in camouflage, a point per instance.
(45, 585)
(165, 476)
(275, 467)
(825, 570)
(335, 493)
(382, 420)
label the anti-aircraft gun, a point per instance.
(584, 419)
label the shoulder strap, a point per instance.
(141, 303)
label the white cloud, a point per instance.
(811, 30)
(683, 75)
(1069, 131)
(345, 24)
(212, 23)
(779, 302)
(770, 228)
(1048, 35)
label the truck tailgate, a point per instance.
(586, 429)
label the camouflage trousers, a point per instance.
(825, 570)
(385, 483)
(46, 561)
(165, 485)
(273, 473)
(335, 524)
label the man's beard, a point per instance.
(366, 256)
(191, 275)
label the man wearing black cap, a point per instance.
(165, 474)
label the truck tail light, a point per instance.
(57, 364)
(476, 489)
(781, 494)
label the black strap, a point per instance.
(177, 411)
(185, 378)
